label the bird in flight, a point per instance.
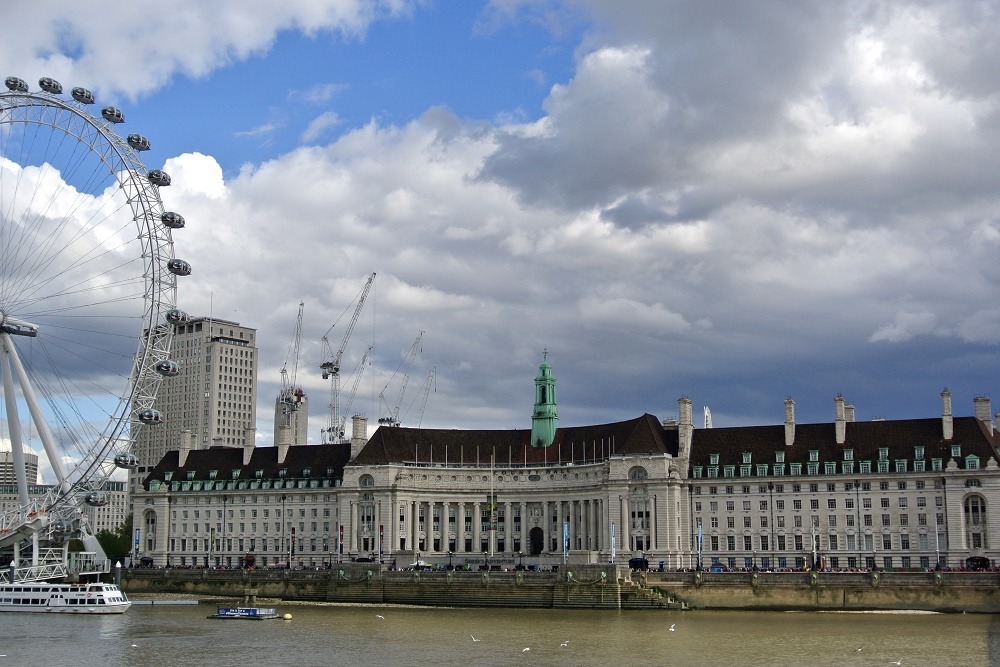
(474, 638)
(565, 644)
(380, 616)
(526, 649)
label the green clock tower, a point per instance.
(544, 418)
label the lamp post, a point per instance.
(224, 499)
(770, 505)
(857, 509)
(450, 554)
(281, 541)
(486, 558)
(520, 560)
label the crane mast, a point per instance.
(331, 367)
(358, 372)
(427, 391)
(290, 393)
(393, 418)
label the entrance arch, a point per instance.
(536, 540)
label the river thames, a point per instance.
(319, 634)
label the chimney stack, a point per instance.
(841, 422)
(249, 441)
(789, 422)
(359, 434)
(849, 412)
(185, 448)
(947, 421)
(685, 429)
(983, 413)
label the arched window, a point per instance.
(975, 522)
(638, 473)
(366, 481)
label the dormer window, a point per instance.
(282, 473)
(747, 457)
(972, 462)
(212, 474)
(918, 453)
(779, 457)
(236, 473)
(883, 453)
(814, 455)
(956, 451)
(713, 459)
(848, 454)
(190, 474)
(306, 472)
(259, 474)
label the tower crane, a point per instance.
(331, 367)
(427, 390)
(358, 372)
(290, 394)
(393, 418)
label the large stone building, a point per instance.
(7, 470)
(214, 398)
(908, 493)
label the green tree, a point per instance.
(117, 543)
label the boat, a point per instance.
(55, 598)
(249, 613)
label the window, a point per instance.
(956, 451)
(883, 453)
(814, 504)
(814, 455)
(713, 459)
(779, 457)
(830, 468)
(903, 501)
(918, 452)
(972, 462)
(848, 454)
(366, 481)
(639, 473)
(865, 467)
(747, 457)
(831, 503)
(796, 504)
(730, 506)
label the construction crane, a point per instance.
(427, 390)
(356, 375)
(393, 417)
(290, 394)
(331, 367)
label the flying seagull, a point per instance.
(380, 616)
(474, 638)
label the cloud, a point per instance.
(319, 126)
(139, 48)
(905, 326)
(319, 93)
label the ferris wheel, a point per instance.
(88, 283)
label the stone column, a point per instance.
(355, 533)
(546, 527)
(477, 527)
(460, 527)
(508, 526)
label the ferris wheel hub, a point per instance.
(17, 327)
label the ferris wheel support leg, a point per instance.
(48, 442)
(14, 428)
(34, 549)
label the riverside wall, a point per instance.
(589, 587)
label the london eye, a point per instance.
(88, 282)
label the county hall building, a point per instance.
(909, 493)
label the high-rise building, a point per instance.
(214, 397)
(7, 475)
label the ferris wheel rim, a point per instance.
(159, 294)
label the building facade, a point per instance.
(7, 471)
(843, 494)
(214, 398)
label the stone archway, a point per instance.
(536, 541)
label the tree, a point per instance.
(117, 543)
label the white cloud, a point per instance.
(319, 126)
(905, 326)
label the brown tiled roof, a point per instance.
(224, 460)
(579, 444)
(865, 438)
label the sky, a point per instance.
(733, 202)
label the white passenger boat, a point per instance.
(53, 598)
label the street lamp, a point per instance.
(857, 509)
(224, 499)
(449, 560)
(520, 560)
(486, 558)
(770, 504)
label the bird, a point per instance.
(672, 627)
(898, 662)
(565, 644)
(474, 638)
(857, 650)
(134, 646)
(526, 649)
(380, 616)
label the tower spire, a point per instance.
(544, 417)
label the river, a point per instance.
(320, 634)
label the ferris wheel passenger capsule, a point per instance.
(96, 498)
(167, 368)
(176, 316)
(113, 115)
(138, 142)
(50, 85)
(82, 95)
(126, 460)
(179, 267)
(150, 416)
(158, 177)
(16, 85)
(172, 220)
